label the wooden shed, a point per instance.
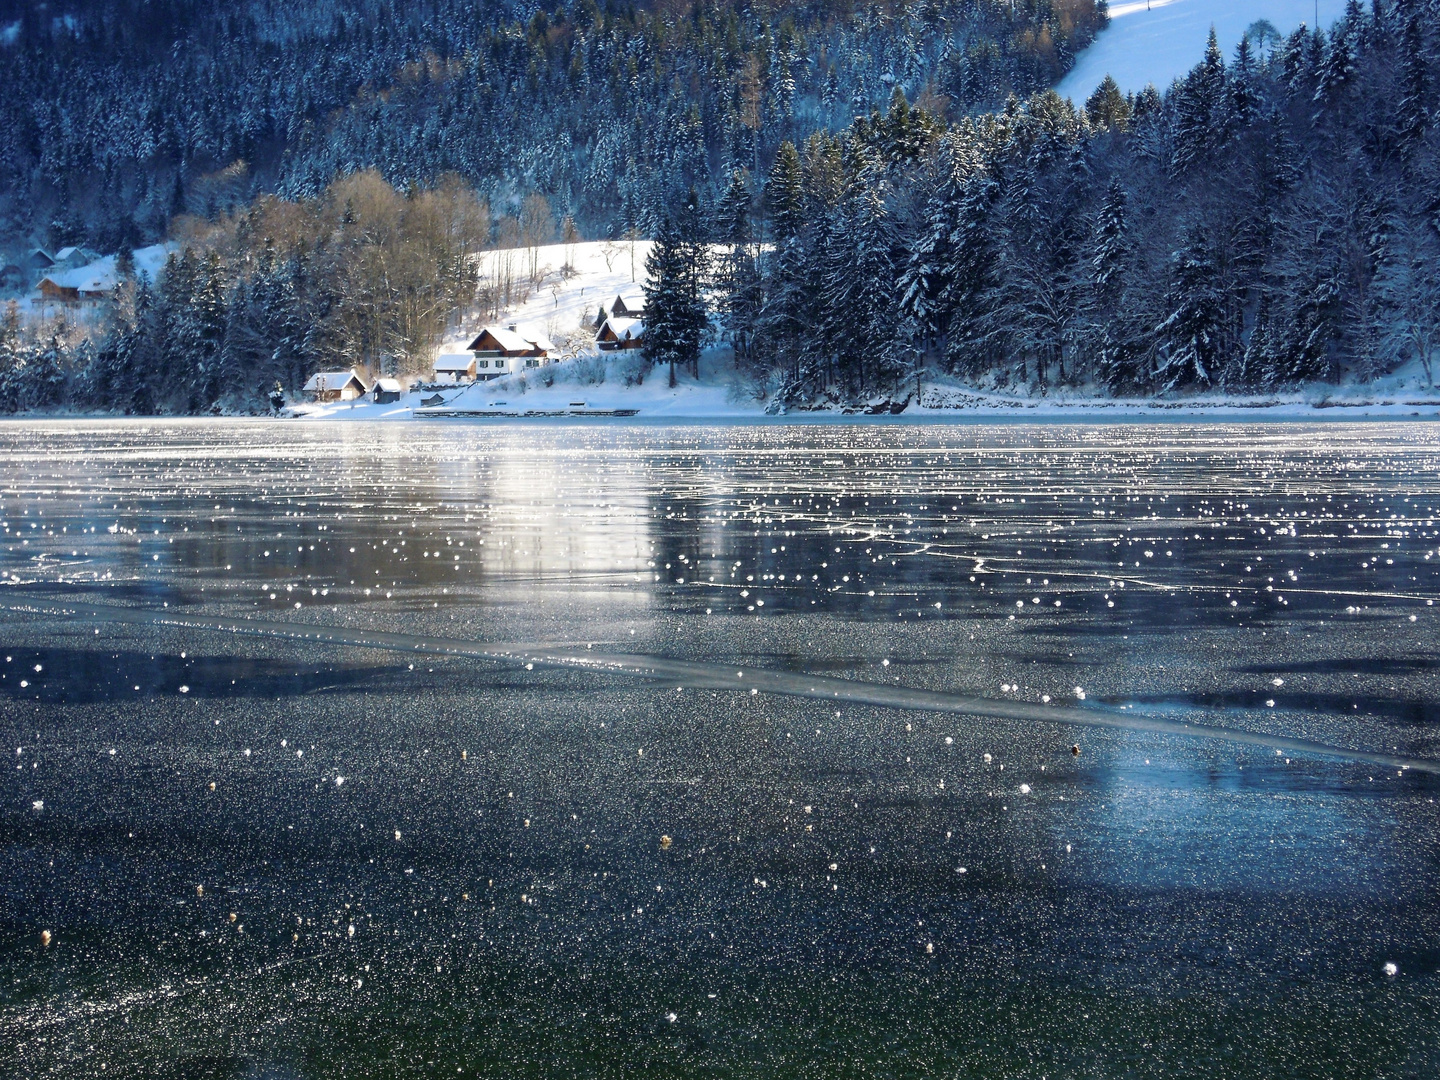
(335, 386)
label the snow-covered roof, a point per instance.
(515, 339)
(507, 339)
(332, 380)
(65, 253)
(390, 386)
(535, 337)
(102, 276)
(623, 327)
(630, 301)
(454, 362)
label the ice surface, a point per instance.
(838, 870)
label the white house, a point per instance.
(455, 367)
(499, 350)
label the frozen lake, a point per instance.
(592, 853)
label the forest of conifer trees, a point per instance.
(1265, 224)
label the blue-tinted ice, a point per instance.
(260, 852)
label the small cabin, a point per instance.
(387, 391)
(455, 367)
(72, 258)
(619, 333)
(39, 259)
(335, 386)
(625, 307)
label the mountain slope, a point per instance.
(1157, 41)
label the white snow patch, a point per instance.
(1160, 41)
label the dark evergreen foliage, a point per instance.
(1260, 226)
(115, 115)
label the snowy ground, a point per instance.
(1160, 40)
(720, 394)
(561, 303)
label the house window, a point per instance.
(485, 363)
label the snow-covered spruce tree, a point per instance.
(1412, 109)
(675, 311)
(859, 327)
(43, 378)
(1200, 109)
(1190, 339)
(976, 278)
(1117, 349)
(12, 360)
(1107, 107)
(787, 303)
(738, 278)
(1341, 59)
(926, 289)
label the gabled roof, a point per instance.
(454, 362)
(515, 339)
(390, 386)
(333, 380)
(102, 275)
(623, 328)
(629, 301)
(508, 339)
(65, 253)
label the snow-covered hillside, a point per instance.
(1156, 41)
(563, 307)
(561, 302)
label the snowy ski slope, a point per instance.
(1160, 40)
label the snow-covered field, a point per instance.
(561, 303)
(1160, 40)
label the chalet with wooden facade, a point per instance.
(619, 333)
(625, 307)
(76, 287)
(335, 386)
(500, 350)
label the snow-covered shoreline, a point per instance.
(593, 386)
(697, 403)
(654, 400)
